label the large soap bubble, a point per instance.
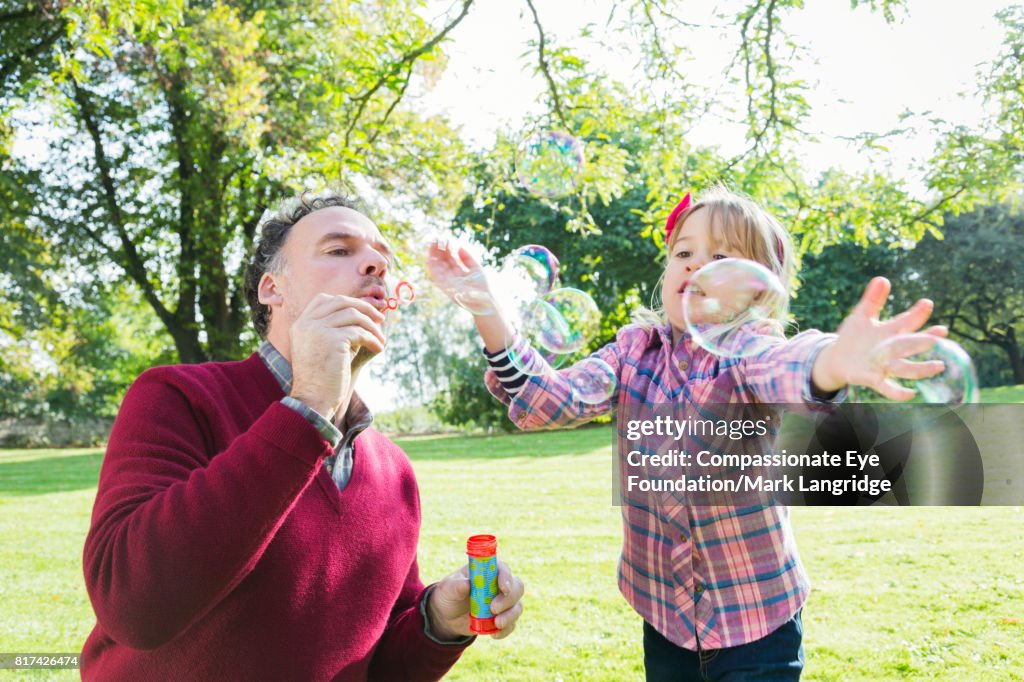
(548, 164)
(593, 381)
(956, 385)
(732, 307)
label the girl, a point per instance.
(720, 589)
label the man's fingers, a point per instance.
(323, 305)
(459, 583)
(506, 622)
(350, 317)
(873, 299)
(360, 338)
(510, 589)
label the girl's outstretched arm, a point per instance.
(541, 397)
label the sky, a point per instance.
(866, 73)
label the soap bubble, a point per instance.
(956, 385)
(593, 381)
(548, 163)
(557, 325)
(532, 265)
(562, 321)
(732, 307)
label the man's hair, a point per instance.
(266, 257)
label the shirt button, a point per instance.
(698, 588)
(684, 365)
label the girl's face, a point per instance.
(694, 247)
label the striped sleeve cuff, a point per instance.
(328, 430)
(511, 377)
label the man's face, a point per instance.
(336, 251)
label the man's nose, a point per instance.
(374, 264)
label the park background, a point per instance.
(142, 142)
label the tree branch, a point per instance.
(133, 263)
(542, 58)
(387, 114)
(773, 113)
(406, 60)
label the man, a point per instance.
(248, 523)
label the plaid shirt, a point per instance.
(339, 465)
(723, 576)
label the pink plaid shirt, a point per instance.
(722, 575)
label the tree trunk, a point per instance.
(186, 341)
(1012, 348)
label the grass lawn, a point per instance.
(899, 593)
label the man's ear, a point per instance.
(268, 291)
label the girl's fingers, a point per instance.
(906, 345)
(893, 391)
(905, 369)
(911, 319)
(873, 299)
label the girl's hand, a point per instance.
(872, 353)
(461, 277)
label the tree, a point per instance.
(974, 275)
(986, 164)
(177, 125)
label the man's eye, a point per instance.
(338, 252)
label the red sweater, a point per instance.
(220, 548)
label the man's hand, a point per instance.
(325, 339)
(871, 353)
(448, 607)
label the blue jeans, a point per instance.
(777, 657)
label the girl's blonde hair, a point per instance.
(742, 225)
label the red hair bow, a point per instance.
(670, 224)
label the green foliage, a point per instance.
(974, 275)
(832, 282)
(986, 164)
(466, 400)
(166, 128)
(195, 118)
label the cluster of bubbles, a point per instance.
(557, 321)
(549, 164)
(733, 307)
